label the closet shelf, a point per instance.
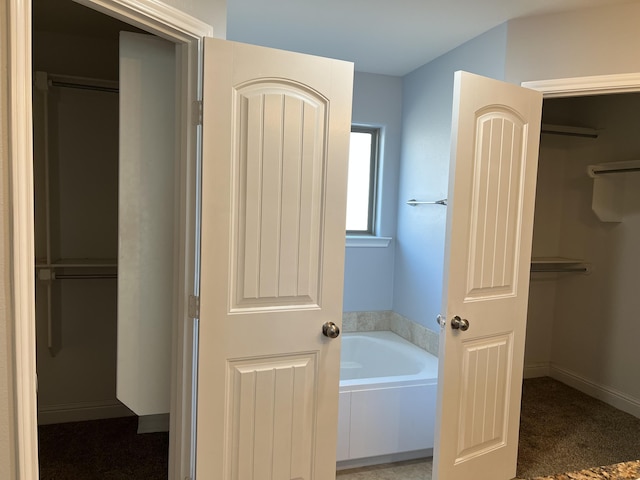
(569, 131)
(630, 166)
(609, 183)
(559, 265)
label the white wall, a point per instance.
(377, 101)
(424, 171)
(594, 41)
(546, 243)
(213, 12)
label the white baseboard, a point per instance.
(395, 457)
(609, 395)
(535, 370)
(80, 412)
(153, 423)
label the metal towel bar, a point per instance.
(414, 203)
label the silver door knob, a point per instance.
(330, 329)
(458, 323)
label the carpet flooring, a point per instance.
(564, 430)
(102, 449)
(561, 430)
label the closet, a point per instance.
(582, 326)
(79, 218)
(76, 179)
(76, 223)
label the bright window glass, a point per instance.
(362, 179)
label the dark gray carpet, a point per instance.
(102, 449)
(564, 430)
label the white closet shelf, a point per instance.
(559, 265)
(609, 184)
(78, 263)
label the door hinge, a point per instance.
(197, 112)
(194, 306)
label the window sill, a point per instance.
(367, 241)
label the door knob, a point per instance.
(330, 329)
(458, 323)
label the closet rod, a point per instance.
(83, 276)
(615, 170)
(569, 130)
(83, 86)
(561, 270)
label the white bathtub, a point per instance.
(387, 399)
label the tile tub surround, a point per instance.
(391, 321)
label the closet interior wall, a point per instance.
(77, 197)
(583, 329)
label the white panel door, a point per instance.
(495, 136)
(146, 212)
(275, 151)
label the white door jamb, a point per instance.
(187, 33)
(583, 86)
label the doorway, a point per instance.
(76, 184)
(576, 334)
(187, 34)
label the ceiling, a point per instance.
(391, 37)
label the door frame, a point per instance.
(584, 86)
(187, 33)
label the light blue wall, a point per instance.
(424, 171)
(377, 101)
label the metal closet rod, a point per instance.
(83, 86)
(44, 79)
(561, 270)
(615, 170)
(83, 276)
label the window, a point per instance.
(361, 186)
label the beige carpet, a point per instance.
(564, 430)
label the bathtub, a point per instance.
(387, 399)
